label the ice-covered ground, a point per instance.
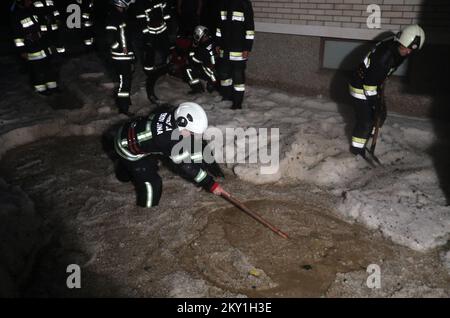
(402, 200)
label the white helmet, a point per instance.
(412, 37)
(122, 3)
(192, 117)
(199, 32)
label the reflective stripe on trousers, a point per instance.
(358, 142)
(149, 188)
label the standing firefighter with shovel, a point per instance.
(367, 84)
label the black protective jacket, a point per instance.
(48, 15)
(27, 35)
(118, 36)
(368, 79)
(235, 28)
(158, 134)
(87, 8)
(152, 16)
(202, 55)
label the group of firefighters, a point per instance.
(230, 48)
(219, 59)
(36, 27)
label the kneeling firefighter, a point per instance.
(201, 62)
(141, 142)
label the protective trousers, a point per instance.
(148, 183)
(366, 115)
(43, 74)
(232, 80)
(124, 71)
(155, 60)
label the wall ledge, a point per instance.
(436, 37)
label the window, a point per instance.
(347, 54)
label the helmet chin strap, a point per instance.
(415, 44)
(184, 132)
(182, 122)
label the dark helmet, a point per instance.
(199, 32)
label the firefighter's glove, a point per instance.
(218, 190)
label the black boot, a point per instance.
(150, 86)
(211, 87)
(45, 93)
(238, 99)
(196, 89)
(226, 93)
(124, 109)
(127, 113)
(55, 90)
(358, 151)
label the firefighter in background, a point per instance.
(172, 24)
(139, 143)
(119, 41)
(189, 14)
(234, 37)
(201, 62)
(50, 24)
(209, 16)
(87, 22)
(153, 17)
(368, 81)
(33, 48)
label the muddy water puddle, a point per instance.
(237, 253)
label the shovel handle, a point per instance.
(254, 215)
